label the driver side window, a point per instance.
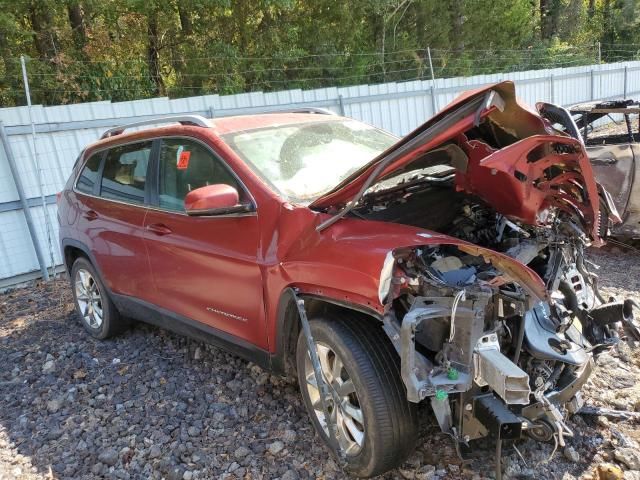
(186, 165)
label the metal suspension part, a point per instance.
(322, 385)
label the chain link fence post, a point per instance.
(434, 102)
(36, 163)
(341, 105)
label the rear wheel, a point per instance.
(375, 425)
(97, 312)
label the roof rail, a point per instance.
(195, 120)
(319, 111)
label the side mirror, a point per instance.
(219, 199)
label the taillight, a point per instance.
(58, 196)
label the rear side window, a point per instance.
(186, 165)
(125, 172)
(89, 175)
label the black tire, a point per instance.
(371, 362)
(111, 322)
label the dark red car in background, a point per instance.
(445, 267)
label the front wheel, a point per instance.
(375, 425)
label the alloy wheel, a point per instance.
(89, 299)
(343, 405)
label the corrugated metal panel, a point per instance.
(397, 107)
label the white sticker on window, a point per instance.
(178, 153)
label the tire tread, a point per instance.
(396, 423)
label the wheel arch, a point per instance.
(71, 253)
(288, 322)
(72, 250)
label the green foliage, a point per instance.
(83, 50)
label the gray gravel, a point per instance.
(151, 404)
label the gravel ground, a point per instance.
(151, 404)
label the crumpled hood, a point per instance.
(533, 169)
(452, 119)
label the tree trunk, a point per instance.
(375, 22)
(44, 38)
(592, 8)
(12, 77)
(242, 35)
(240, 16)
(456, 36)
(153, 54)
(186, 25)
(77, 23)
(549, 17)
(545, 20)
(6, 55)
(608, 33)
(181, 65)
(421, 28)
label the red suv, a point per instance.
(444, 267)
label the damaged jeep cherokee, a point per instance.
(446, 268)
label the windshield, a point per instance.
(304, 161)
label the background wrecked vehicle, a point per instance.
(611, 132)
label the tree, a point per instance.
(80, 50)
(76, 14)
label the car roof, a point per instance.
(219, 126)
(240, 123)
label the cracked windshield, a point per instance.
(305, 161)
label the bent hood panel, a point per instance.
(455, 118)
(542, 168)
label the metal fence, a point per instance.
(42, 143)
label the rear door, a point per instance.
(111, 216)
(204, 268)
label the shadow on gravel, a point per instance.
(148, 404)
(151, 404)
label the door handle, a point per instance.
(159, 229)
(90, 215)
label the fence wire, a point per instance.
(71, 81)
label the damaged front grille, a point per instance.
(492, 356)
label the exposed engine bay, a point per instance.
(498, 351)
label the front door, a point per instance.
(204, 268)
